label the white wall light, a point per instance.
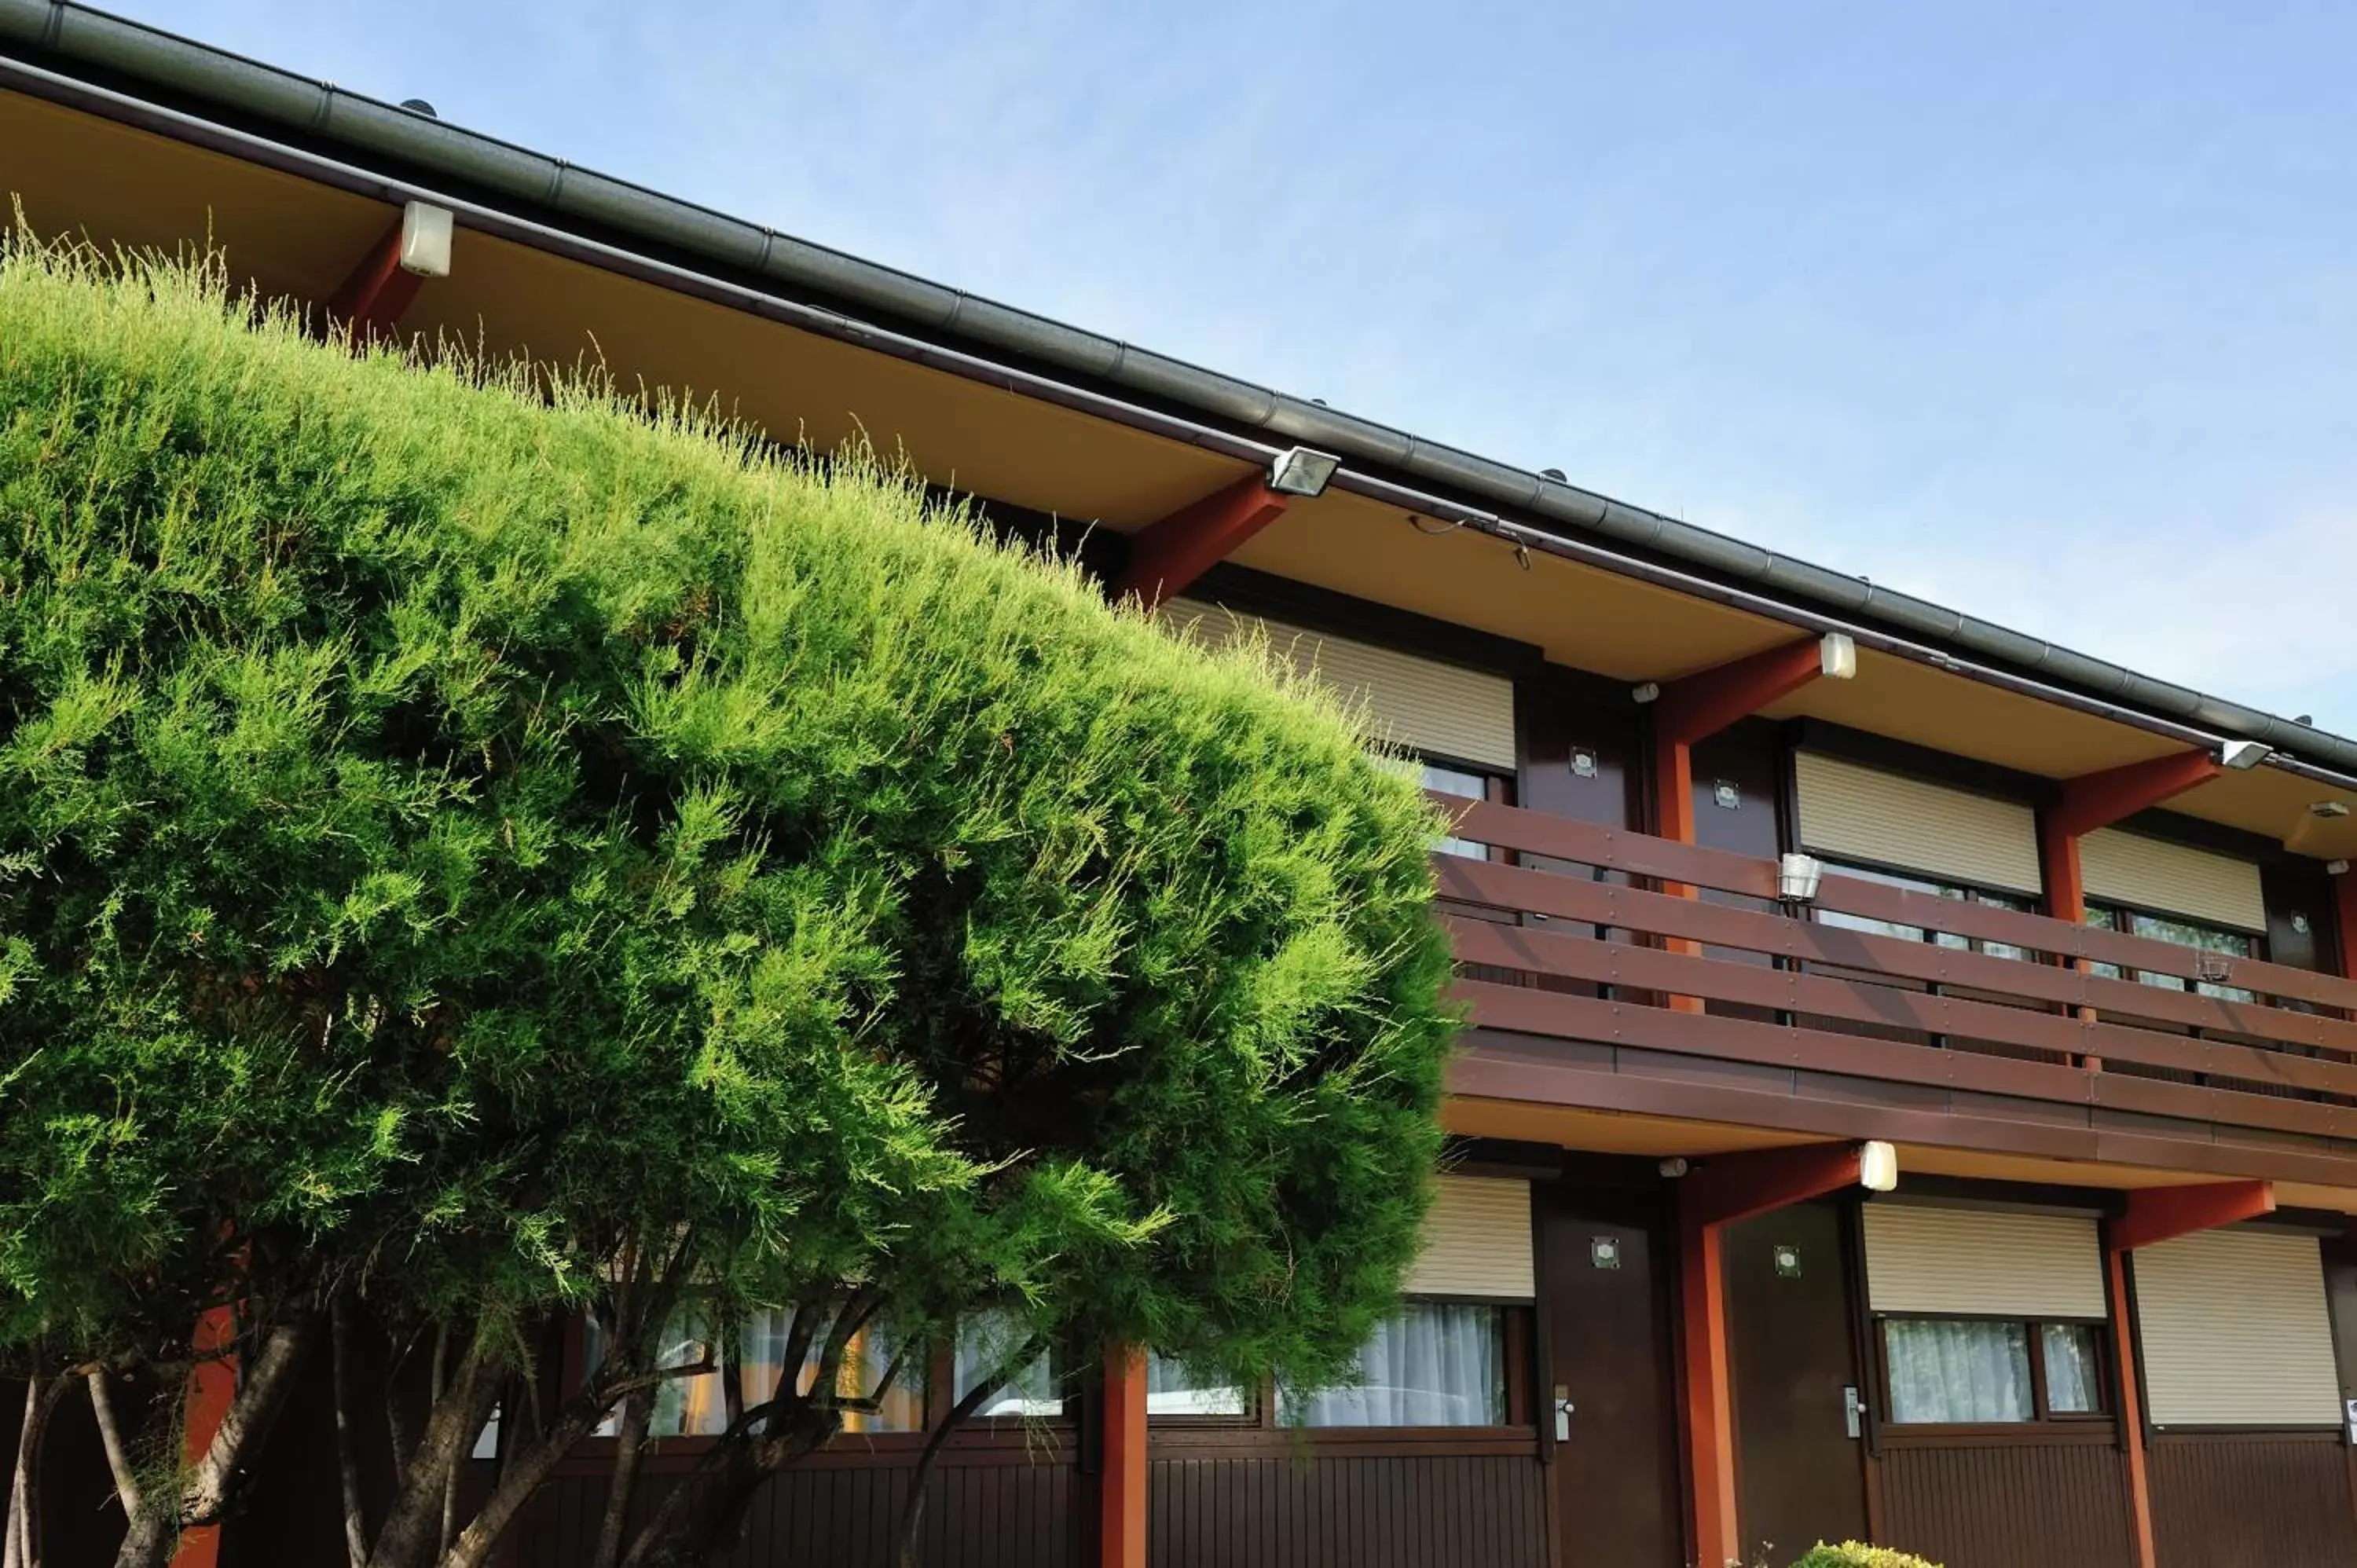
(1796, 877)
(1838, 656)
(2241, 755)
(426, 240)
(1877, 1165)
(1299, 471)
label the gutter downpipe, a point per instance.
(1319, 423)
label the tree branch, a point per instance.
(348, 1463)
(110, 1434)
(912, 1512)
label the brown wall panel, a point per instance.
(2007, 1505)
(1335, 1511)
(976, 1516)
(2252, 1500)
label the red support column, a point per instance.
(1167, 555)
(212, 1384)
(1120, 1479)
(2096, 801)
(1698, 706)
(2154, 1215)
(1724, 1190)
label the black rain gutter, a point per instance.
(1698, 561)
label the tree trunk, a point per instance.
(348, 1461)
(110, 1434)
(204, 1494)
(24, 1543)
(412, 1534)
(912, 1512)
(628, 1440)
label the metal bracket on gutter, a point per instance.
(1610, 517)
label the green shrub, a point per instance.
(466, 838)
(1857, 1554)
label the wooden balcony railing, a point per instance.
(1565, 935)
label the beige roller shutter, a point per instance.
(1420, 703)
(1850, 813)
(1477, 1241)
(2171, 879)
(1982, 1261)
(2234, 1331)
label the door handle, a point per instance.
(1562, 1414)
(1853, 1411)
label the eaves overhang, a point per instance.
(55, 49)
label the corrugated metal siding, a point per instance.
(1982, 1261)
(2234, 1331)
(1421, 704)
(2244, 1499)
(1477, 1241)
(1300, 1510)
(2172, 879)
(1862, 813)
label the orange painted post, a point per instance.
(212, 1384)
(1121, 1480)
(2131, 1407)
(1674, 818)
(1709, 1404)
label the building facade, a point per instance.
(1911, 1091)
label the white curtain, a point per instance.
(692, 1406)
(1172, 1389)
(2071, 1368)
(1430, 1365)
(1955, 1371)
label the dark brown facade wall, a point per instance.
(1347, 1512)
(978, 1516)
(2007, 1507)
(2252, 1502)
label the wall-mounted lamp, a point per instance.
(426, 240)
(2329, 810)
(1796, 877)
(2242, 754)
(1300, 471)
(1877, 1165)
(1836, 656)
(1651, 691)
(2336, 868)
(1675, 1166)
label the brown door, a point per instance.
(1608, 1383)
(1800, 1472)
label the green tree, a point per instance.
(474, 848)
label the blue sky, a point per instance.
(2047, 312)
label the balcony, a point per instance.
(1592, 987)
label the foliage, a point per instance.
(464, 835)
(1856, 1555)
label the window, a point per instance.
(692, 1406)
(983, 1343)
(1472, 787)
(1916, 933)
(1173, 1388)
(1963, 1371)
(1431, 1364)
(2177, 933)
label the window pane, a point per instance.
(2205, 938)
(1456, 781)
(1860, 922)
(983, 1343)
(1950, 1371)
(2073, 1374)
(1429, 1365)
(1172, 1389)
(692, 1406)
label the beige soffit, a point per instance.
(1421, 704)
(1982, 1261)
(1850, 813)
(2235, 1332)
(1477, 1241)
(2171, 879)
